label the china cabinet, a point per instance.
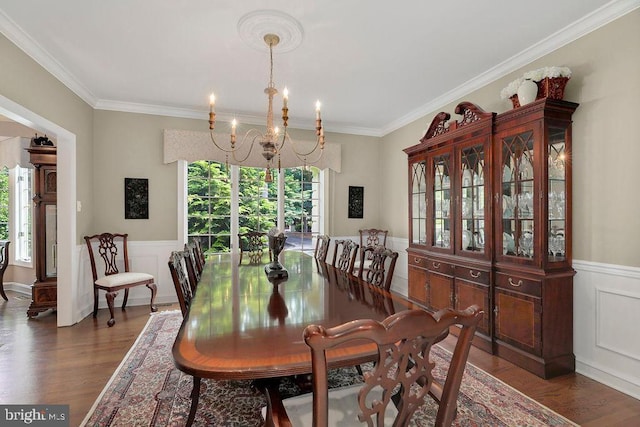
(449, 253)
(44, 292)
(533, 297)
(490, 224)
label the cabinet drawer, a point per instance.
(417, 261)
(472, 274)
(440, 267)
(516, 283)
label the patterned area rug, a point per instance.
(147, 390)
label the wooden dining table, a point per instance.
(241, 325)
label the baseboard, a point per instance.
(21, 288)
(606, 377)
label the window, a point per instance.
(302, 206)
(211, 211)
(208, 205)
(16, 211)
(23, 213)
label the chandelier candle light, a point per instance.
(272, 143)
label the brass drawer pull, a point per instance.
(474, 275)
(436, 264)
(417, 260)
(517, 285)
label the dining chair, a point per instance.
(107, 246)
(191, 260)
(4, 263)
(402, 371)
(253, 243)
(370, 237)
(180, 276)
(322, 247)
(178, 261)
(344, 254)
(381, 267)
(200, 258)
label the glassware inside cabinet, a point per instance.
(472, 193)
(518, 204)
(557, 186)
(442, 201)
(419, 203)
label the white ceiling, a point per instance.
(375, 65)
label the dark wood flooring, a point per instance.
(43, 364)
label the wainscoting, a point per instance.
(606, 315)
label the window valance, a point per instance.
(192, 145)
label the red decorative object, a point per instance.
(516, 102)
(552, 87)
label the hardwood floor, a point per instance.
(43, 364)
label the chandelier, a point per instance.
(272, 141)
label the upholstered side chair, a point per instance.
(112, 249)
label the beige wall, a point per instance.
(606, 84)
(26, 83)
(360, 160)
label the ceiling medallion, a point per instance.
(254, 26)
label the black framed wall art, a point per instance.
(136, 198)
(356, 202)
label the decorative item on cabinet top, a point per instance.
(551, 82)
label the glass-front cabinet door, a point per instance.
(516, 198)
(472, 199)
(418, 188)
(558, 171)
(440, 232)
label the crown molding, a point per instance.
(187, 113)
(28, 45)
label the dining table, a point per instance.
(242, 324)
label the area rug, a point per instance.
(147, 390)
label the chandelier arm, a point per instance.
(286, 137)
(233, 149)
(311, 162)
(253, 143)
(303, 156)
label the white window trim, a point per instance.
(14, 207)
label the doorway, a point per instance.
(68, 314)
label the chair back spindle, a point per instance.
(322, 247)
(381, 268)
(373, 237)
(344, 255)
